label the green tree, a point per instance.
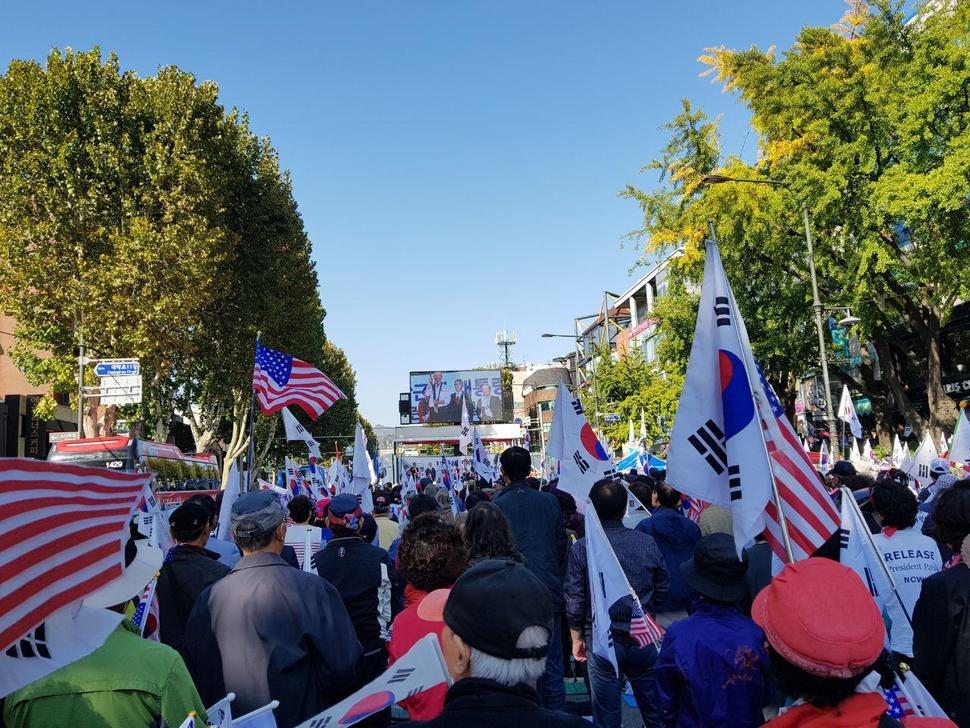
(866, 124)
(140, 215)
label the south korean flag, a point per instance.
(582, 458)
(717, 448)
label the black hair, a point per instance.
(642, 492)
(667, 496)
(418, 504)
(300, 509)
(253, 538)
(431, 554)
(895, 503)
(516, 463)
(824, 692)
(952, 515)
(472, 499)
(609, 498)
(368, 527)
(209, 504)
(488, 535)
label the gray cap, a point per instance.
(256, 513)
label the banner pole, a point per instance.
(782, 521)
(872, 544)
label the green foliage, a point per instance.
(868, 125)
(140, 214)
(628, 386)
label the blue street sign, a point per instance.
(118, 368)
(611, 418)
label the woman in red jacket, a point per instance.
(825, 634)
(430, 558)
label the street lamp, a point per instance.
(592, 371)
(713, 179)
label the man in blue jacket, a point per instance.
(644, 567)
(713, 666)
(536, 522)
(676, 535)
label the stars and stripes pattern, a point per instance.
(809, 512)
(643, 629)
(65, 528)
(280, 380)
(145, 618)
(899, 706)
(693, 507)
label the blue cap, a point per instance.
(343, 505)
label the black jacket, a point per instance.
(536, 522)
(185, 574)
(475, 702)
(268, 631)
(362, 574)
(641, 561)
(941, 640)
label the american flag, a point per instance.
(280, 380)
(643, 629)
(145, 618)
(694, 507)
(899, 706)
(65, 529)
(810, 514)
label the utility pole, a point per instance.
(80, 388)
(817, 305)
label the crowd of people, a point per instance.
(308, 602)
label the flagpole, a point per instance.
(251, 454)
(872, 544)
(782, 521)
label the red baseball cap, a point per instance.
(819, 616)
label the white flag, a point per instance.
(189, 722)
(906, 460)
(419, 669)
(960, 443)
(582, 458)
(363, 475)
(220, 714)
(481, 463)
(259, 718)
(855, 456)
(848, 414)
(607, 585)
(643, 429)
(867, 452)
(293, 477)
(824, 461)
(296, 431)
(857, 551)
(229, 496)
(717, 446)
(65, 636)
(925, 455)
(944, 446)
(897, 452)
(465, 438)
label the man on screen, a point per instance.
(459, 399)
(488, 407)
(432, 405)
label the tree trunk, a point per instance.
(890, 374)
(264, 450)
(943, 410)
(239, 440)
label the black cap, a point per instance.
(188, 517)
(844, 469)
(493, 602)
(715, 570)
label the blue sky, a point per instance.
(457, 163)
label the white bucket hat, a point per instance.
(137, 574)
